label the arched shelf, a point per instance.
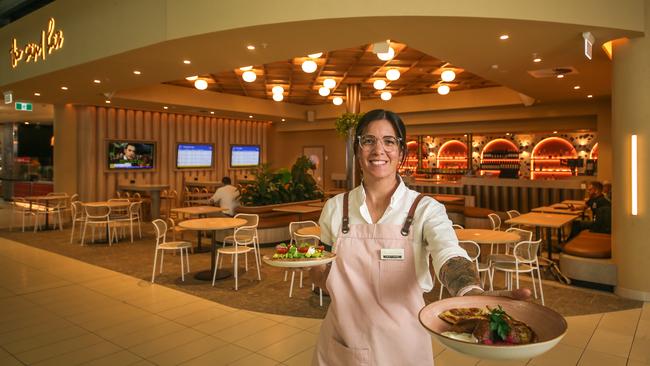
(547, 155)
(593, 154)
(411, 163)
(498, 155)
(452, 155)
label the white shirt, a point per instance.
(227, 197)
(431, 228)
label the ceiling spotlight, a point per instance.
(329, 83)
(187, 62)
(107, 101)
(560, 76)
(448, 75)
(246, 68)
(590, 96)
(249, 76)
(379, 84)
(576, 87)
(392, 74)
(211, 112)
(97, 81)
(251, 116)
(503, 37)
(337, 100)
(278, 97)
(137, 72)
(165, 107)
(64, 88)
(537, 60)
(277, 89)
(315, 55)
(443, 89)
(191, 78)
(554, 131)
(283, 120)
(309, 66)
(386, 56)
(323, 91)
(385, 95)
(250, 47)
(37, 94)
(201, 84)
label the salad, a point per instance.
(295, 251)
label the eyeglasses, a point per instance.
(368, 142)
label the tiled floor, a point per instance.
(60, 311)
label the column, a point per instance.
(352, 105)
(66, 163)
(631, 115)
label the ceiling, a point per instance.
(419, 74)
(12, 10)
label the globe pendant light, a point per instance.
(329, 83)
(386, 95)
(392, 74)
(443, 89)
(277, 89)
(278, 97)
(200, 84)
(337, 100)
(249, 76)
(448, 75)
(323, 91)
(379, 84)
(387, 55)
(309, 66)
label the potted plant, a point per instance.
(346, 122)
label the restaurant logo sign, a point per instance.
(51, 40)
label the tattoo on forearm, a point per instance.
(458, 273)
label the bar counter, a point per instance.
(502, 194)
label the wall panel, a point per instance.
(96, 125)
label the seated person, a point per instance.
(226, 196)
(602, 220)
(596, 202)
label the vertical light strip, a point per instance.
(635, 207)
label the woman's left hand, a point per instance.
(517, 294)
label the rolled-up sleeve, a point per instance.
(439, 236)
(327, 216)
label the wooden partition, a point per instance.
(96, 125)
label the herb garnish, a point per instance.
(498, 323)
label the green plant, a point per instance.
(347, 121)
(281, 186)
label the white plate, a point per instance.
(549, 326)
(299, 262)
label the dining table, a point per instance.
(558, 209)
(487, 237)
(309, 231)
(45, 200)
(212, 224)
(540, 220)
(121, 204)
(199, 212)
(154, 192)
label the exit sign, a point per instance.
(23, 106)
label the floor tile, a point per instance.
(612, 343)
(118, 358)
(244, 329)
(452, 358)
(267, 337)
(220, 356)
(172, 340)
(82, 355)
(187, 352)
(58, 348)
(290, 346)
(302, 358)
(254, 360)
(560, 355)
(594, 358)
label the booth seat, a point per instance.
(587, 257)
(273, 226)
(477, 218)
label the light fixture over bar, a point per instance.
(635, 205)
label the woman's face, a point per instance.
(381, 159)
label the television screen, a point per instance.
(194, 156)
(244, 156)
(130, 155)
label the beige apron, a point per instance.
(373, 315)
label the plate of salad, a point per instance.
(299, 255)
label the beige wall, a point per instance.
(94, 125)
(630, 115)
(286, 147)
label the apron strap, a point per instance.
(409, 219)
(345, 228)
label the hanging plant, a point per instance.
(347, 121)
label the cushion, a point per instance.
(454, 208)
(590, 245)
(477, 212)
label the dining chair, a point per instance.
(511, 215)
(525, 261)
(20, 207)
(293, 227)
(524, 235)
(78, 216)
(244, 242)
(252, 220)
(55, 207)
(495, 220)
(98, 217)
(457, 227)
(132, 217)
(162, 245)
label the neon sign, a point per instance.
(51, 40)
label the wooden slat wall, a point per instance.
(97, 124)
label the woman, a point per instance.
(383, 234)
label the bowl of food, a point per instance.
(299, 255)
(496, 328)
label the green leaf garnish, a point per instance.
(498, 323)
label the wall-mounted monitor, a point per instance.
(134, 155)
(243, 156)
(194, 156)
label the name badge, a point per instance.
(392, 254)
